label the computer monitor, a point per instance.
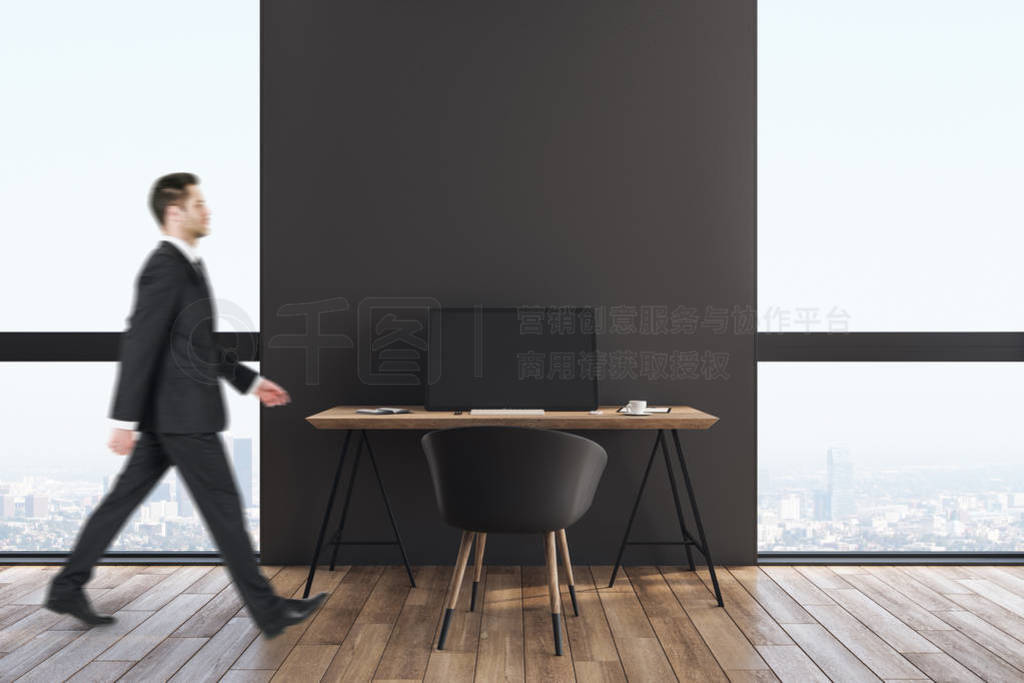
(485, 357)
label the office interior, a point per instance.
(795, 218)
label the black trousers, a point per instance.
(202, 461)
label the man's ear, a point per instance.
(172, 215)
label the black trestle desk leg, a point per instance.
(679, 508)
(636, 505)
(327, 515)
(705, 550)
(348, 499)
(387, 506)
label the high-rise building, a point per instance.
(840, 484)
(789, 507)
(6, 505)
(159, 511)
(822, 506)
(37, 506)
(184, 500)
(161, 492)
(241, 457)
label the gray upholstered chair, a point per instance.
(493, 479)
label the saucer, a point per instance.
(626, 412)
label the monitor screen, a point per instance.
(511, 358)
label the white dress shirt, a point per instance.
(190, 253)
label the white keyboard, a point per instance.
(506, 411)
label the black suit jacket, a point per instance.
(168, 379)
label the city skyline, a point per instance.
(921, 508)
(44, 514)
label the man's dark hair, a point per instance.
(168, 190)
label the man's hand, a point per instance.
(271, 394)
(121, 441)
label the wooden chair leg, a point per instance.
(553, 594)
(567, 563)
(481, 541)
(458, 572)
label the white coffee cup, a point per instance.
(636, 406)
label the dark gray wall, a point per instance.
(506, 154)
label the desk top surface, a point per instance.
(346, 417)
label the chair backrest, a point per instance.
(512, 479)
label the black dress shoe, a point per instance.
(292, 612)
(77, 605)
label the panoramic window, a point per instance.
(884, 457)
(84, 134)
(890, 162)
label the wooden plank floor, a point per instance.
(186, 623)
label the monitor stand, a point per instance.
(506, 411)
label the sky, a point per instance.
(891, 162)
(99, 100)
(890, 414)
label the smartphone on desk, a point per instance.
(382, 411)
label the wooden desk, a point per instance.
(346, 417)
(680, 417)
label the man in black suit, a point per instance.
(168, 391)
